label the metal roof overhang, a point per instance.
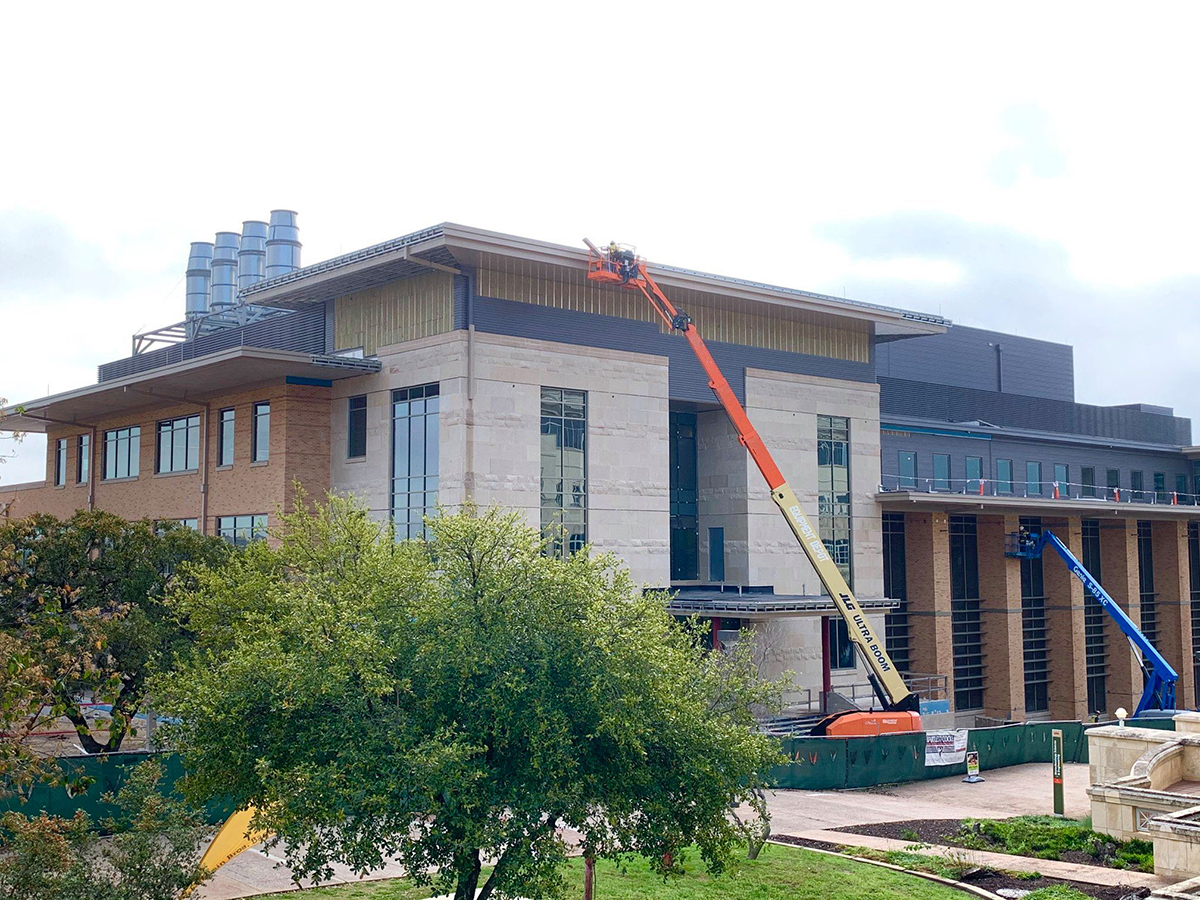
(962, 504)
(445, 246)
(192, 381)
(763, 606)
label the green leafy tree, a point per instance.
(152, 852)
(81, 606)
(455, 703)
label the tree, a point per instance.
(454, 703)
(81, 607)
(153, 852)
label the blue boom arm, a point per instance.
(1160, 677)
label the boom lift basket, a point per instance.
(620, 269)
(1020, 545)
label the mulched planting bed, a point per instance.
(988, 879)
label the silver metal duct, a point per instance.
(225, 271)
(199, 278)
(283, 243)
(252, 254)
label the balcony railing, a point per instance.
(1045, 490)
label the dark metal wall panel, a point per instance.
(302, 331)
(946, 403)
(966, 357)
(462, 294)
(1047, 453)
(687, 380)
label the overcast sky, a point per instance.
(1026, 167)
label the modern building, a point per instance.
(456, 363)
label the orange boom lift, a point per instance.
(620, 266)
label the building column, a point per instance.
(1066, 645)
(1172, 585)
(1000, 612)
(927, 562)
(1119, 575)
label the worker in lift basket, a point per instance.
(622, 260)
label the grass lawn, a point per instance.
(786, 873)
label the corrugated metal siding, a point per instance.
(726, 319)
(303, 331)
(966, 357)
(947, 403)
(399, 311)
(687, 380)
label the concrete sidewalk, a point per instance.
(1051, 868)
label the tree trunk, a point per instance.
(468, 877)
(589, 877)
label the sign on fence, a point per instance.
(945, 748)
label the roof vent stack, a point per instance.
(225, 271)
(252, 254)
(283, 243)
(199, 279)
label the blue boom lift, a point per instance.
(1159, 693)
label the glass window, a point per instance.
(1033, 479)
(965, 620)
(685, 533)
(564, 468)
(841, 649)
(716, 554)
(907, 468)
(122, 449)
(225, 438)
(1196, 480)
(83, 458)
(356, 427)
(1033, 628)
(1112, 481)
(1137, 486)
(241, 530)
(895, 587)
(974, 473)
(179, 444)
(260, 450)
(1193, 533)
(1145, 553)
(941, 471)
(415, 455)
(1087, 476)
(1181, 490)
(1094, 618)
(1062, 477)
(1160, 487)
(833, 489)
(1004, 476)
(60, 462)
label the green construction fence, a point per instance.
(822, 763)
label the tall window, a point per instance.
(60, 462)
(965, 623)
(260, 450)
(1033, 629)
(685, 535)
(1194, 584)
(241, 530)
(225, 438)
(974, 473)
(833, 488)
(356, 427)
(941, 471)
(415, 417)
(1112, 481)
(1137, 487)
(122, 447)
(179, 444)
(716, 554)
(1145, 553)
(83, 458)
(906, 466)
(841, 649)
(1033, 478)
(1181, 490)
(1004, 476)
(895, 587)
(1095, 646)
(1160, 487)
(1087, 474)
(1196, 477)
(1062, 475)
(564, 468)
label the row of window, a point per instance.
(1034, 484)
(177, 447)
